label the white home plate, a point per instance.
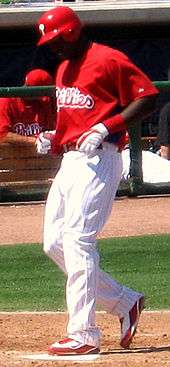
(47, 357)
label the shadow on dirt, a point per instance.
(138, 350)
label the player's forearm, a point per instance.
(13, 138)
(134, 113)
(139, 109)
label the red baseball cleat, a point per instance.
(129, 323)
(69, 346)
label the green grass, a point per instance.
(30, 281)
(142, 263)
(5, 2)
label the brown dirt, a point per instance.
(27, 333)
(129, 217)
(23, 334)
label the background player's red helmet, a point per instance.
(38, 77)
(59, 21)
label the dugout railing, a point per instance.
(26, 175)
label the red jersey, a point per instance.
(19, 117)
(95, 88)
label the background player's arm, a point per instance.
(16, 139)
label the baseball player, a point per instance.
(22, 119)
(99, 94)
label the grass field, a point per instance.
(30, 281)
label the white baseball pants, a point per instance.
(78, 205)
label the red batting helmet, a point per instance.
(59, 21)
(38, 77)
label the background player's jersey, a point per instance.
(95, 88)
(23, 118)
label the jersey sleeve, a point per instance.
(5, 120)
(132, 82)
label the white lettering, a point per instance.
(72, 98)
(26, 129)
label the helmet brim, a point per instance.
(47, 37)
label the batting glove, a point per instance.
(43, 142)
(91, 139)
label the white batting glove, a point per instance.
(43, 143)
(91, 139)
(49, 134)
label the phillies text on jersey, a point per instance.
(27, 128)
(73, 98)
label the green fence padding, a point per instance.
(25, 91)
(38, 91)
(162, 85)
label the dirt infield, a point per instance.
(23, 334)
(129, 217)
(27, 333)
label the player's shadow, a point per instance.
(138, 350)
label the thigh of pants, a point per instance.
(82, 195)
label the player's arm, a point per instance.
(135, 112)
(137, 98)
(16, 139)
(139, 109)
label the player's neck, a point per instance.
(83, 44)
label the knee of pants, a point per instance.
(85, 241)
(47, 248)
(79, 250)
(51, 246)
(52, 238)
(55, 253)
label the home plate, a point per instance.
(48, 357)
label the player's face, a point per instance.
(32, 102)
(65, 50)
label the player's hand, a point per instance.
(43, 141)
(91, 139)
(49, 134)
